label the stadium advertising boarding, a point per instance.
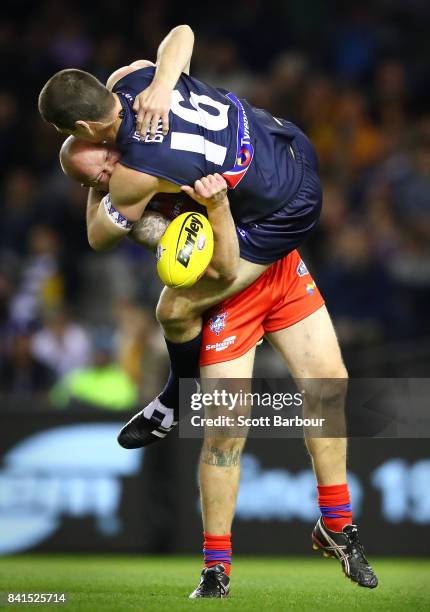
(389, 482)
(65, 484)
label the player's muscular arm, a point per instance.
(174, 55)
(173, 58)
(110, 217)
(211, 192)
(101, 236)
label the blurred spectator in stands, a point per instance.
(150, 26)
(131, 337)
(391, 92)
(410, 264)
(140, 347)
(42, 284)
(354, 41)
(412, 193)
(102, 384)
(220, 65)
(62, 343)
(17, 206)
(357, 288)
(23, 373)
(45, 145)
(358, 140)
(317, 114)
(286, 82)
(109, 54)
(7, 289)
(62, 204)
(70, 47)
(8, 128)
(333, 218)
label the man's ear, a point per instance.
(84, 128)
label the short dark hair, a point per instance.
(74, 95)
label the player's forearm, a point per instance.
(225, 261)
(174, 55)
(93, 202)
(101, 235)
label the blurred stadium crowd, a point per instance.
(75, 325)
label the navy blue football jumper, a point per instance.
(269, 164)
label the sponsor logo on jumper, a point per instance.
(221, 346)
(244, 148)
(128, 96)
(217, 323)
(192, 230)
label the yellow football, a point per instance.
(185, 250)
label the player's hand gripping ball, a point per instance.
(185, 250)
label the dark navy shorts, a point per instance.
(271, 238)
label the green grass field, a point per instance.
(118, 583)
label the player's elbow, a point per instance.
(228, 277)
(224, 276)
(96, 244)
(185, 29)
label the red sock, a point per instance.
(217, 549)
(335, 506)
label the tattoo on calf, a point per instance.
(211, 455)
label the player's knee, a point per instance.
(222, 450)
(326, 388)
(328, 370)
(172, 310)
(338, 371)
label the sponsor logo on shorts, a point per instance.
(310, 287)
(217, 323)
(221, 346)
(302, 269)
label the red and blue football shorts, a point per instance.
(282, 296)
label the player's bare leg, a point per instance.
(312, 353)
(219, 474)
(179, 312)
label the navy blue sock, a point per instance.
(184, 363)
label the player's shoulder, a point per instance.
(122, 72)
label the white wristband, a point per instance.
(116, 217)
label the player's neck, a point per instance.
(111, 130)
